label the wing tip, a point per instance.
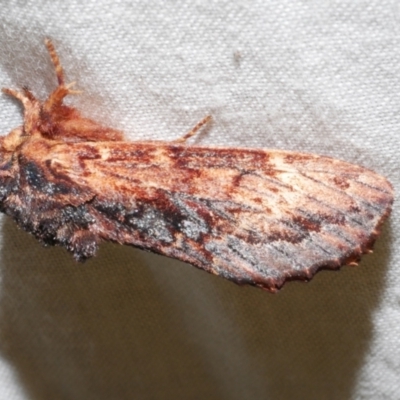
(352, 258)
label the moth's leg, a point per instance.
(31, 107)
(25, 97)
(56, 97)
(194, 130)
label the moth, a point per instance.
(254, 216)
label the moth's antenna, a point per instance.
(56, 62)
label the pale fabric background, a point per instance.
(315, 76)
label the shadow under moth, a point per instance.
(254, 216)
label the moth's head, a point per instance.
(10, 142)
(5, 157)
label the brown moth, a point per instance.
(253, 216)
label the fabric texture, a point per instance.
(311, 76)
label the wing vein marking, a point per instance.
(350, 176)
(289, 257)
(372, 187)
(307, 216)
(304, 193)
(342, 192)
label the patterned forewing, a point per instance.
(252, 216)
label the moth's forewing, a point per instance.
(253, 216)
